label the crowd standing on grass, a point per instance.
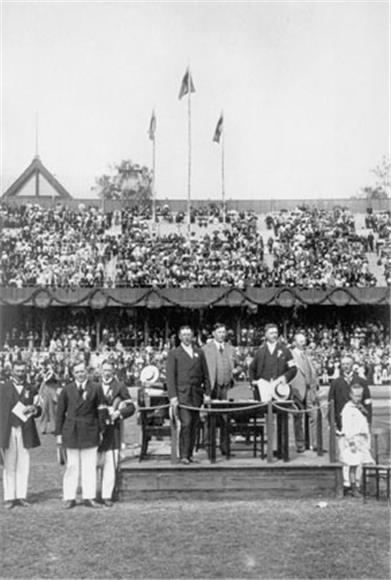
(310, 248)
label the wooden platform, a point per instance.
(238, 478)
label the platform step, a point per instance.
(157, 480)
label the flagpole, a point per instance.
(153, 184)
(189, 150)
(223, 170)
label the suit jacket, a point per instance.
(339, 392)
(9, 396)
(187, 378)
(298, 383)
(211, 352)
(112, 431)
(285, 363)
(77, 418)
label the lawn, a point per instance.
(191, 539)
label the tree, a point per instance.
(129, 181)
(381, 189)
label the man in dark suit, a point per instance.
(187, 384)
(339, 391)
(273, 360)
(221, 361)
(117, 406)
(18, 433)
(78, 430)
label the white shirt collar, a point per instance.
(271, 346)
(188, 349)
(218, 344)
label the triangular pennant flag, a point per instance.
(219, 129)
(152, 127)
(187, 85)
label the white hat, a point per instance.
(149, 374)
(282, 392)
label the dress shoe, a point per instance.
(107, 503)
(184, 461)
(91, 503)
(300, 450)
(68, 504)
(347, 491)
(8, 505)
(192, 460)
(356, 491)
(23, 503)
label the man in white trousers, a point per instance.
(117, 406)
(78, 430)
(18, 433)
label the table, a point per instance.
(282, 421)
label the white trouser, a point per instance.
(86, 459)
(16, 467)
(108, 473)
(351, 475)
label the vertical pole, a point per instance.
(332, 449)
(319, 432)
(189, 151)
(153, 184)
(269, 429)
(223, 174)
(43, 330)
(97, 329)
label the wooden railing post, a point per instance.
(332, 442)
(319, 432)
(269, 429)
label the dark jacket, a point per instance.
(112, 431)
(285, 363)
(9, 397)
(77, 418)
(187, 378)
(339, 392)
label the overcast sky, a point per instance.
(304, 88)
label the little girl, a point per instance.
(355, 441)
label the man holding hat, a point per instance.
(117, 406)
(273, 361)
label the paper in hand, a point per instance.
(18, 410)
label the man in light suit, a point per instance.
(78, 429)
(221, 361)
(18, 434)
(118, 406)
(188, 384)
(305, 392)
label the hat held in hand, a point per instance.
(149, 375)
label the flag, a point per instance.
(152, 127)
(187, 85)
(218, 130)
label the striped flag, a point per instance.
(218, 130)
(152, 127)
(187, 85)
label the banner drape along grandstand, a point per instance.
(194, 298)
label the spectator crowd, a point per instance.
(310, 248)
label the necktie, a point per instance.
(221, 348)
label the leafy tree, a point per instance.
(381, 189)
(128, 181)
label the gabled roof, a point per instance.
(36, 168)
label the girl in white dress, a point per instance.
(355, 441)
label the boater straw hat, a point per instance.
(149, 374)
(282, 392)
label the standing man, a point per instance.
(117, 406)
(18, 433)
(273, 360)
(78, 430)
(188, 384)
(305, 392)
(221, 360)
(339, 391)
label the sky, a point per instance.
(304, 87)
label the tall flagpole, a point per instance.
(189, 151)
(153, 183)
(223, 170)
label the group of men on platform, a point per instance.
(89, 415)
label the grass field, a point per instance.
(197, 539)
